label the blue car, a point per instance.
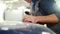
(25, 28)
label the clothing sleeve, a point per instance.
(49, 7)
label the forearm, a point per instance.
(48, 19)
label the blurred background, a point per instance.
(9, 5)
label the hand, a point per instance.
(29, 18)
(28, 1)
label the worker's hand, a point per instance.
(30, 18)
(28, 1)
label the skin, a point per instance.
(48, 19)
(44, 19)
(28, 1)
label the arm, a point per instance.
(49, 19)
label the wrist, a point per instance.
(39, 19)
(36, 19)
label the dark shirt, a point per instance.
(48, 7)
(32, 5)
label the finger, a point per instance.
(25, 20)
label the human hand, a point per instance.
(28, 1)
(30, 18)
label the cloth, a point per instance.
(32, 4)
(47, 7)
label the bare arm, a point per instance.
(49, 19)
